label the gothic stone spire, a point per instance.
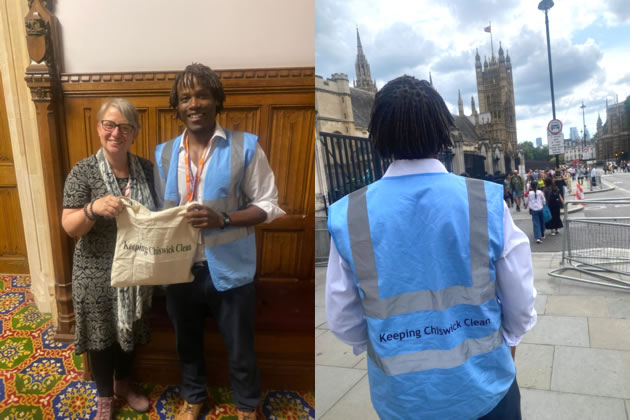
(363, 76)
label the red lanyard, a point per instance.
(128, 188)
(191, 187)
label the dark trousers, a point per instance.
(105, 364)
(509, 408)
(187, 305)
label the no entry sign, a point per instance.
(554, 127)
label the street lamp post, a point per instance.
(584, 135)
(546, 5)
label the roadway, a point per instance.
(621, 184)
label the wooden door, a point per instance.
(13, 258)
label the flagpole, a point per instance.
(491, 43)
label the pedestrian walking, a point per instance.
(516, 185)
(535, 204)
(507, 191)
(555, 202)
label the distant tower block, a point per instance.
(363, 78)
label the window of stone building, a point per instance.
(345, 116)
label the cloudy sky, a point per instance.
(590, 50)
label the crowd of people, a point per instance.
(537, 190)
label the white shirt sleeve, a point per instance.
(515, 282)
(259, 184)
(344, 310)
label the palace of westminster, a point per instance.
(485, 142)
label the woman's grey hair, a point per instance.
(125, 107)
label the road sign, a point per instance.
(554, 127)
(555, 143)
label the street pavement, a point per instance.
(574, 364)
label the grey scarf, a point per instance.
(132, 302)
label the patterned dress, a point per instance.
(93, 298)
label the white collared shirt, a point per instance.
(515, 279)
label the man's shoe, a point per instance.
(138, 402)
(189, 411)
(246, 415)
(104, 408)
(539, 241)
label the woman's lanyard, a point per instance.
(128, 188)
(192, 184)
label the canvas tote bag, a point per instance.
(153, 248)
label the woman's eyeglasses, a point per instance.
(110, 126)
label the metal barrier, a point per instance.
(597, 185)
(322, 241)
(598, 248)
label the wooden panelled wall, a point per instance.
(278, 106)
(13, 258)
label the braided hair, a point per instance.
(205, 78)
(409, 120)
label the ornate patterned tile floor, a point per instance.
(42, 379)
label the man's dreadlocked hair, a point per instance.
(205, 77)
(409, 120)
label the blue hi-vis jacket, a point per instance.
(231, 253)
(423, 250)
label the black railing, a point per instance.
(352, 163)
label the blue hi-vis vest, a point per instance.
(231, 253)
(423, 250)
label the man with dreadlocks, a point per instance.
(428, 273)
(228, 177)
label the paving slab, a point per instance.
(587, 306)
(549, 285)
(560, 330)
(320, 318)
(628, 408)
(362, 363)
(540, 304)
(589, 371)
(355, 404)
(330, 351)
(619, 306)
(319, 331)
(607, 333)
(548, 405)
(533, 365)
(331, 384)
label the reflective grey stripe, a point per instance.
(436, 359)
(219, 237)
(434, 300)
(169, 204)
(167, 153)
(236, 159)
(479, 241)
(229, 203)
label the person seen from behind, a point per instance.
(535, 204)
(439, 316)
(555, 202)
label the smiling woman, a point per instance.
(107, 326)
